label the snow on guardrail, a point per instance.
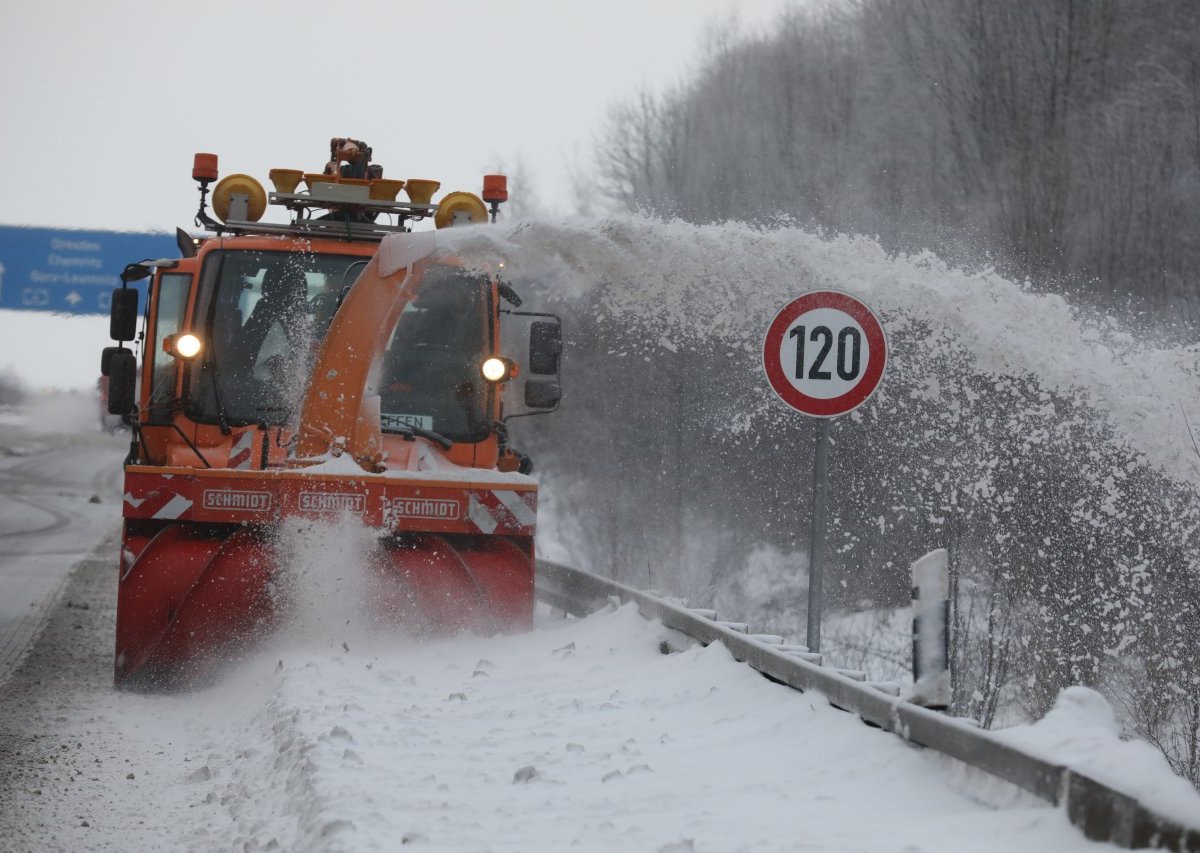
(1025, 757)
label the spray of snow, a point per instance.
(1050, 440)
(723, 283)
(323, 585)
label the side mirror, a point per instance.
(135, 272)
(545, 347)
(122, 382)
(542, 394)
(122, 322)
(509, 295)
(106, 357)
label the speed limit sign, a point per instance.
(824, 353)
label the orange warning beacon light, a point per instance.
(204, 172)
(495, 192)
(204, 168)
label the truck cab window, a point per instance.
(172, 304)
(430, 371)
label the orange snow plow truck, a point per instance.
(338, 365)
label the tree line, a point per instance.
(1057, 140)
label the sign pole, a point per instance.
(816, 542)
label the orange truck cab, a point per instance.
(339, 365)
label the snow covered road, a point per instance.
(579, 735)
(53, 463)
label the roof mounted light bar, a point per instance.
(345, 198)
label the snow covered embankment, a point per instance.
(580, 734)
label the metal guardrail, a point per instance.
(1101, 813)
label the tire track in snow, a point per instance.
(49, 484)
(58, 519)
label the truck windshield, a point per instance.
(429, 375)
(264, 314)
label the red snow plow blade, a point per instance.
(196, 594)
(200, 588)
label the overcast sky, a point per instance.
(103, 104)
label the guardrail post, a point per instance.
(931, 634)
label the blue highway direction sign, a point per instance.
(69, 271)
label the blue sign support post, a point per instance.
(66, 271)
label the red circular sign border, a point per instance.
(855, 397)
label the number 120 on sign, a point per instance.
(824, 353)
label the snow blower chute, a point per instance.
(335, 366)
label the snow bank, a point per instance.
(579, 735)
(1081, 732)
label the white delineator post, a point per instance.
(931, 635)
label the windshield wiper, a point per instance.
(411, 431)
(215, 373)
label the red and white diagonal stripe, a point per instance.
(491, 509)
(241, 455)
(160, 503)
